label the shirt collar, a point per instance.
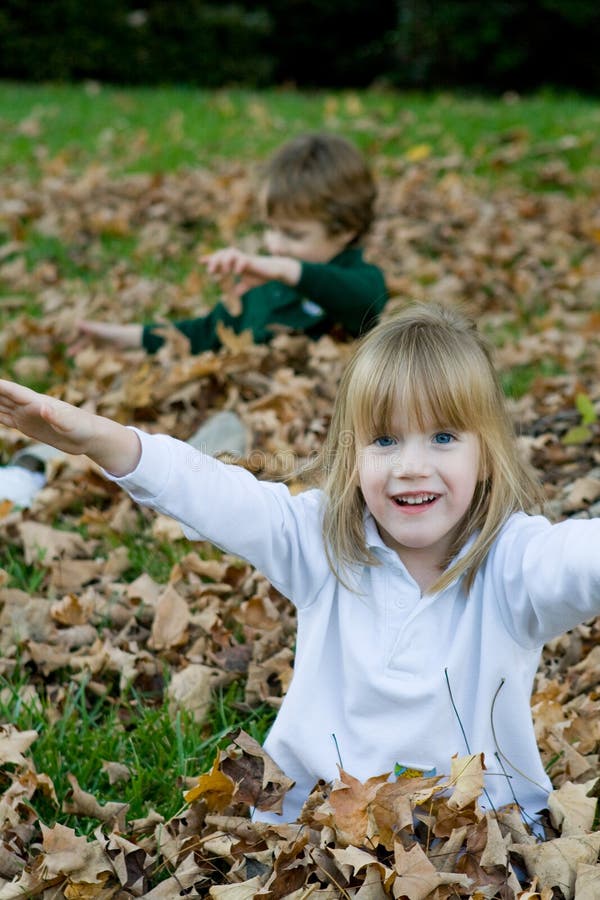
(373, 539)
(375, 542)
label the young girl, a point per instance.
(424, 591)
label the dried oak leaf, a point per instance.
(31, 883)
(24, 786)
(67, 854)
(144, 589)
(260, 782)
(131, 864)
(556, 863)
(357, 859)
(44, 544)
(447, 818)
(116, 771)
(171, 620)
(572, 810)
(416, 877)
(352, 803)
(72, 610)
(191, 689)
(248, 890)
(83, 803)
(14, 743)
(68, 575)
(466, 777)
(582, 492)
(394, 804)
(187, 877)
(587, 882)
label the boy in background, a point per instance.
(317, 200)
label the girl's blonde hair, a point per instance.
(434, 364)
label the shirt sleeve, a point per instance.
(353, 296)
(260, 521)
(549, 576)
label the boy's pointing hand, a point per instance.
(252, 269)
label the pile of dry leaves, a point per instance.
(527, 265)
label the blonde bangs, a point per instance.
(448, 386)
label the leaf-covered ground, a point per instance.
(527, 265)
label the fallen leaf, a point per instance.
(191, 689)
(572, 810)
(14, 743)
(466, 779)
(555, 863)
(216, 788)
(245, 891)
(169, 628)
(85, 804)
(351, 801)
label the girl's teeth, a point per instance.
(414, 501)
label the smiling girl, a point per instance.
(424, 589)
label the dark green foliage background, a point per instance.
(496, 45)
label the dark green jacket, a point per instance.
(346, 291)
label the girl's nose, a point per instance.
(410, 461)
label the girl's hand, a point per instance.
(252, 269)
(68, 428)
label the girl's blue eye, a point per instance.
(443, 437)
(384, 440)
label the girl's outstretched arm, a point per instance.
(112, 446)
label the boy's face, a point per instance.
(304, 239)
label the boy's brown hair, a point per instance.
(323, 177)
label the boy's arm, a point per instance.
(352, 295)
(112, 446)
(126, 336)
(252, 269)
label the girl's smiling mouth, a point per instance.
(416, 500)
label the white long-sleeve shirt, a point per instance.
(374, 667)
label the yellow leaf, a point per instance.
(418, 152)
(353, 105)
(214, 787)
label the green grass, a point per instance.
(26, 577)
(51, 130)
(146, 555)
(79, 730)
(48, 128)
(160, 749)
(517, 381)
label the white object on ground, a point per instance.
(36, 456)
(20, 485)
(222, 433)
